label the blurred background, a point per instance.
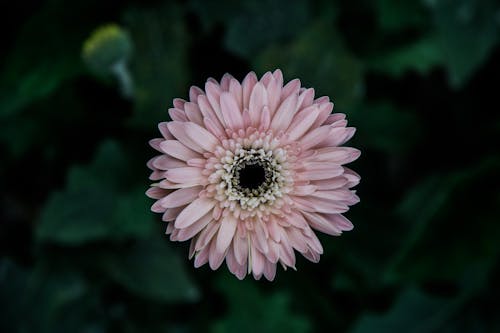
(83, 85)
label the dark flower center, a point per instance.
(251, 176)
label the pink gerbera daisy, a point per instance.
(248, 170)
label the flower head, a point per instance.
(248, 170)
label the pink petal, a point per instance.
(320, 170)
(230, 111)
(224, 82)
(177, 115)
(320, 223)
(164, 131)
(176, 149)
(330, 184)
(290, 88)
(236, 90)
(340, 221)
(179, 103)
(179, 131)
(194, 92)
(302, 123)
(193, 212)
(285, 113)
(314, 137)
(186, 175)
(258, 261)
(270, 271)
(240, 248)
(338, 136)
(258, 99)
(226, 232)
(215, 258)
(165, 162)
(306, 98)
(324, 111)
(338, 155)
(201, 257)
(172, 213)
(247, 85)
(193, 229)
(156, 192)
(234, 267)
(193, 113)
(181, 197)
(273, 95)
(200, 136)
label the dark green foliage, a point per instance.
(80, 250)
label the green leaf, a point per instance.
(319, 58)
(386, 128)
(252, 311)
(394, 15)
(160, 63)
(422, 56)
(249, 30)
(152, 270)
(439, 210)
(413, 312)
(42, 58)
(96, 204)
(467, 31)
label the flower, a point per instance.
(248, 170)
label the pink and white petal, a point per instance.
(236, 90)
(338, 136)
(172, 213)
(290, 88)
(195, 228)
(155, 192)
(352, 177)
(278, 76)
(155, 143)
(338, 155)
(257, 262)
(314, 137)
(306, 98)
(311, 256)
(340, 221)
(206, 236)
(181, 197)
(215, 258)
(330, 184)
(247, 86)
(164, 131)
(226, 232)
(266, 78)
(321, 223)
(194, 92)
(285, 113)
(165, 162)
(319, 170)
(201, 258)
(325, 109)
(234, 267)
(312, 204)
(194, 211)
(333, 118)
(177, 115)
(179, 103)
(240, 248)
(302, 123)
(178, 130)
(208, 112)
(270, 271)
(176, 149)
(225, 81)
(258, 99)
(273, 95)
(193, 113)
(231, 111)
(201, 137)
(186, 175)
(304, 190)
